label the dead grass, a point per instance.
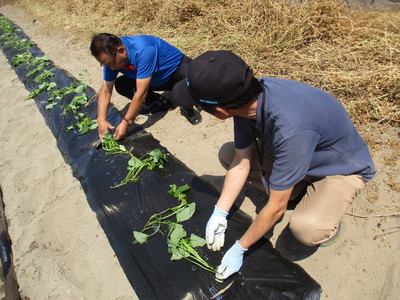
(354, 54)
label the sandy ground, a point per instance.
(61, 252)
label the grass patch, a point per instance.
(353, 54)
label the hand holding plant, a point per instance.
(110, 146)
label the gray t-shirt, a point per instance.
(309, 132)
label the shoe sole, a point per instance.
(333, 239)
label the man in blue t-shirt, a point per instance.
(148, 64)
(305, 146)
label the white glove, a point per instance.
(215, 229)
(231, 262)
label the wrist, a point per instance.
(126, 120)
(240, 248)
(219, 212)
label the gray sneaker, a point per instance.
(333, 239)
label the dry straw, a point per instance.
(354, 54)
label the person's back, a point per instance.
(149, 56)
(309, 122)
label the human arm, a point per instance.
(234, 181)
(267, 217)
(265, 220)
(103, 102)
(236, 177)
(142, 87)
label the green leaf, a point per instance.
(76, 103)
(177, 251)
(182, 189)
(84, 71)
(186, 213)
(197, 241)
(21, 58)
(140, 237)
(44, 76)
(84, 124)
(176, 254)
(37, 69)
(80, 88)
(52, 85)
(156, 159)
(180, 192)
(172, 189)
(42, 87)
(50, 106)
(107, 137)
(176, 232)
(135, 162)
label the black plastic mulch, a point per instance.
(265, 273)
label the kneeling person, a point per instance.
(148, 64)
(288, 136)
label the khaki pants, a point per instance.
(317, 216)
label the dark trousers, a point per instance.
(126, 86)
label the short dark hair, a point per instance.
(253, 90)
(104, 43)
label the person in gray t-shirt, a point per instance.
(291, 140)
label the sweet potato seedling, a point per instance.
(182, 212)
(57, 94)
(111, 146)
(8, 28)
(182, 247)
(44, 76)
(76, 104)
(178, 244)
(21, 59)
(37, 69)
(84, 125)
(151, 160)
(45, 86)
(20, 44)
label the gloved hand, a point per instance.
(231, 262)
(215, 229)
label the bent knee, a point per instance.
(309, 229)
(226, 154)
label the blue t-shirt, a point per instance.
(148, 56)
(309, 132)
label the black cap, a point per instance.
(215, 77)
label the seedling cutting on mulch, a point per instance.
(45, 86)
(84, 125)
(76, 104)
(151, 160)
(21, 59)
(179, 245)
(20, 44)
(183, 212)
(57, 94)
(111, 146)
(44, 76)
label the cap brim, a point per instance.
(181, 96)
